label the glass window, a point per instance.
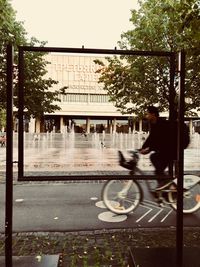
(98, 98)
(84, 98)
(75, 98)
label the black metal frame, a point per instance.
(23, 49)
(180, 159)
(9, 149)
(9, 158)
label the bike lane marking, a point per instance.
(162, 209)
(145, 214)
(100, 204)
(147, 204)
(153, 204)
(164, 218)
(152, 218)
(109, 216)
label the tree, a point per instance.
(190, 16)
(2, 119)
(133, 82)
(39, 98)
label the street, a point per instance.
(71, 206)
(78, 206)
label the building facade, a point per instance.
(86, 105)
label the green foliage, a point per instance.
(133, 82)
(2, 119)
(39, 98)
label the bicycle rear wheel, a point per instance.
(121, 196)
(191, 199)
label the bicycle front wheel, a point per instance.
(121, 196)
(191, 199)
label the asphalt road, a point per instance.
(78, 206)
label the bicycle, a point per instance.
(124, 196)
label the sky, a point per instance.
(73, 23)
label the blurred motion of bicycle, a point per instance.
(124, 196)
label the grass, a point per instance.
(96, 248)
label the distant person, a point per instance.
(102, 128)
(3, 140)
(84, 133)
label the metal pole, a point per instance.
(21, 113)
(9, 159)
(172, 97)
(180, 156)
(172, 92)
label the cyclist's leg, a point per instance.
(160, 163)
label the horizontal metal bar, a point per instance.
(97, 175)
(105, 175)
(96, 51)
(94, 177)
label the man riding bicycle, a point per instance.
(161, 142)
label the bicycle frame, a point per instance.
(147, 181)
(122, 197)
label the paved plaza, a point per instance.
(56, 152)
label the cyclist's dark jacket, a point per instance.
(162, 138)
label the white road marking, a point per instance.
(163, 219)
(152, 218)
(19, 200)
(109, 216)
(100, 204)
(144, 214)
(94, 198)
(151, 203)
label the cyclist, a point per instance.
(161, 142)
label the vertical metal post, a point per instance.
(172, 92)
(172, 97)
(21, 113)
(9, 159)
(180, 156)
